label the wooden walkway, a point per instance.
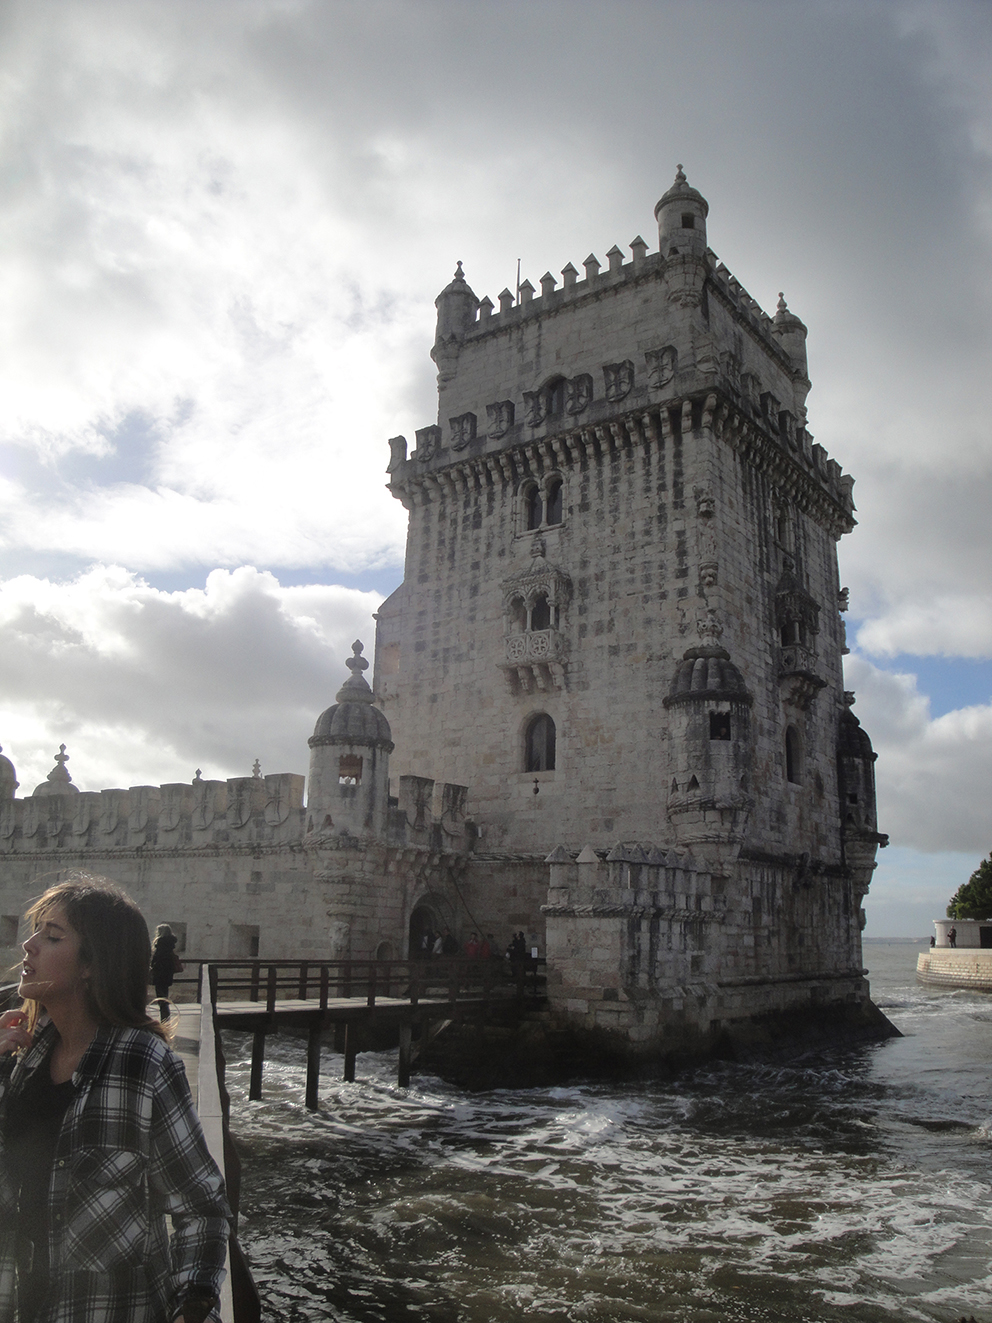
(359, 998)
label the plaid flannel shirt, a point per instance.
(130, 1153)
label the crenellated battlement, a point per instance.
(633, 339)
(245, 810)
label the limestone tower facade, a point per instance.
(620, 615)
(620, 628)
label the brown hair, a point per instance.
(113, 943)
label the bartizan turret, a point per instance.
(348, 791)
(681, 215)
(456, 309)
(860, 836)
(709, 709)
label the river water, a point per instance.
(848, 1185)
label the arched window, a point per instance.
(517, 616)
(539, 754)
(349, 769)
(533, 506)
(553, 502)
(793, 756)
(540, 614)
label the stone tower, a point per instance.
(621, 481)
(620, 625)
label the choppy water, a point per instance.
(846, 1186)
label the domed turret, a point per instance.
(708, 705)
(706, 672)
(8, 778)
(58, 781)
(349, 760)
(681, 215)
(855, 773)
(456, 308)
(791, 335)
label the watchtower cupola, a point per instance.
(349, 761)
(681, 216)
(456, 308)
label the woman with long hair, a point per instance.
(164, 961)
(99, 1141)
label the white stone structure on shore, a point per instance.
(608, 695)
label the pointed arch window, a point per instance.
(539, 744)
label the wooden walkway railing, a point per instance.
(352, 995)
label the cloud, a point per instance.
(933, 774)
(148, 685)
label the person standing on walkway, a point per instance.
(165, 966)
(100, 1145)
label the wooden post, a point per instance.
(313, 1065)
(406, 1035)
(425, 1038)
(340, 1036)
(270, 991)
(304, 979)
(257, 1058)
(350, 1052)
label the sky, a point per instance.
(223, 224)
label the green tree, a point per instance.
(973, 899)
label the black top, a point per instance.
(31, 1131)
(162, 958)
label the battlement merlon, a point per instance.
(671, 323)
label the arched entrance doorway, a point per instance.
(423, 928)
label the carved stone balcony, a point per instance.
(797, 675)
(534, 659)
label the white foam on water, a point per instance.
(842, 1187)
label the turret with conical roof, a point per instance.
(456, 308)
(681, 215)
(348, 791)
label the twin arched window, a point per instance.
(539, 744)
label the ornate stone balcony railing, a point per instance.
(535, 659)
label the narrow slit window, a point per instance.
(793, 756)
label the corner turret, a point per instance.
(681, 215)
(348, 791)
(456, 308)
(709, 709)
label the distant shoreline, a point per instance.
(909, 941)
